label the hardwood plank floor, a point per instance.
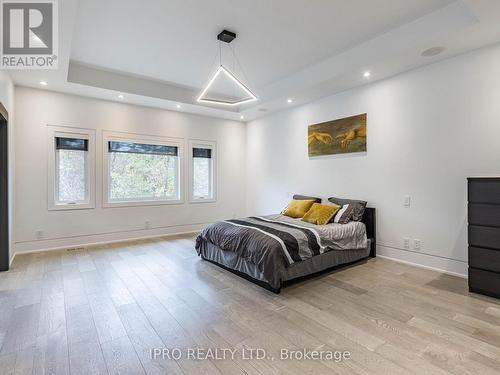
(104, 309)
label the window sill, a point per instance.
(197, 200)
(71, 207)
(142, 203)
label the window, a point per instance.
(71, 172)
(202, 171)
(142, 171)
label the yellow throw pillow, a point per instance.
(298, 208)
(320, 214)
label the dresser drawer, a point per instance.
(484, 214)
(484, 191)
(484, 237)
(484, 282)
(485, 259)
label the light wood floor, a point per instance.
(102, 310)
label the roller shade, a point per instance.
(142, 148)
(77, 144)
(202, 153)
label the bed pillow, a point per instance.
(297, 208)
(343, 215)
(299, 197)
(306, 198)
(320, 214)
(355, 209)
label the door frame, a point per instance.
(4, 189)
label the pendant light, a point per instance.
(223, 72)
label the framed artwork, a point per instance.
(342, 136)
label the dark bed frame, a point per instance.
(369, 219)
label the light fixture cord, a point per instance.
(239, 64)
(220, 54)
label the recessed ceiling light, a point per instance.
(43, 83)
(367, 74)
(178, 106)
(242, 117)
(120, 96)
(290, 101)
(432, 51)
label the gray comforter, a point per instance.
(277, 241)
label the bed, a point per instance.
(273, 250)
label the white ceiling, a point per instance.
(162, 52)
(175, 40)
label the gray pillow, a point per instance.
(306, 198)
(355, 211)
(343, 215)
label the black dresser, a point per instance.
(484, 235)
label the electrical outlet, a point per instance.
(417, 244)
(147, 224)
(39, 234)
(406, 242)
(407, 201)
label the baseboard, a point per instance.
(431, 262)
(103, 238)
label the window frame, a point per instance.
(52, 173)
(212, 145)
(140, 138)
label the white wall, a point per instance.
(7, 99)
(428, 130)
(37, 108)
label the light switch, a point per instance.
(407, 201)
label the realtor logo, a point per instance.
(29, 34)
